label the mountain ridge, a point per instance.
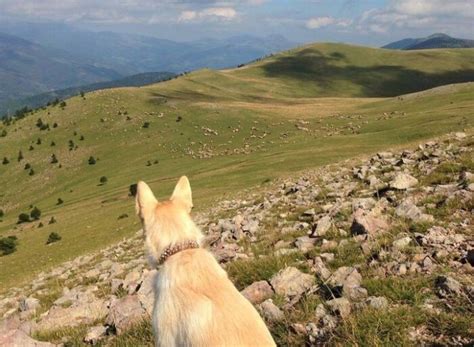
(438, 40)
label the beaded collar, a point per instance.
(173, 249)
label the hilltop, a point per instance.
(227, 130)
(431, 42)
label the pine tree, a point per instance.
(5, 161)
(91, 160)
(20, 156)
(32, 172)
(35, 213)
(23, 218)
(54, 160)
(53, 237)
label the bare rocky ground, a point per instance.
(369, 252)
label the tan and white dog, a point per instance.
(195, 302)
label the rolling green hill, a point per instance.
(227, 130)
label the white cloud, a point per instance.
(187, 16)
(320, 22)
(463, 8)
(430, 15)
(213, 13)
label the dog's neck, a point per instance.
(176, 248)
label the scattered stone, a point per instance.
(447, 285)
(146, 293)
(340, 306)
(409, 210)
(291, 282)
(403, 181)
(271, 311)
(368, 223)
(402, 243)
(258, 292)
(95, 334)
(18, 338)
(320, 269)
(124, 313)
(377, 302)
(323, 226)
(77, 314)
(305, 243)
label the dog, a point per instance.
(195, 302)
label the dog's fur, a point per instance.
(195, 302)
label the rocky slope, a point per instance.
(368, 252)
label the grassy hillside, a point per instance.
(226, 130)
(40, 100)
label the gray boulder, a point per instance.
(124, 313)
(403, 181)
(377, 302)
(409, 210)
(291, 282)
(364, 222)
(340, 306)
(95, 334)
(271, 311)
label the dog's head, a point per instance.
(169, 222)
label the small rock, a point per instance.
(367, 223)
(146, 292)
(95, 334)
(323, 226)
(271, 311)
(18, 338)
(341, 306)
(403, 181)
(320, 269)
(447, 285)
(124, 313)
(258, 292)
(291, 282)
(402, 243)
(409, 210)
(92, 273)
(377, 302)
(305, 243)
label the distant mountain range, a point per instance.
(39, 58)
(430, 42)
(42, 99)
(27, 68)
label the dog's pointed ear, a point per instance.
(182, 193)
(145, 201)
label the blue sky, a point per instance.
(371, 22)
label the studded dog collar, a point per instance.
(173, 249)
